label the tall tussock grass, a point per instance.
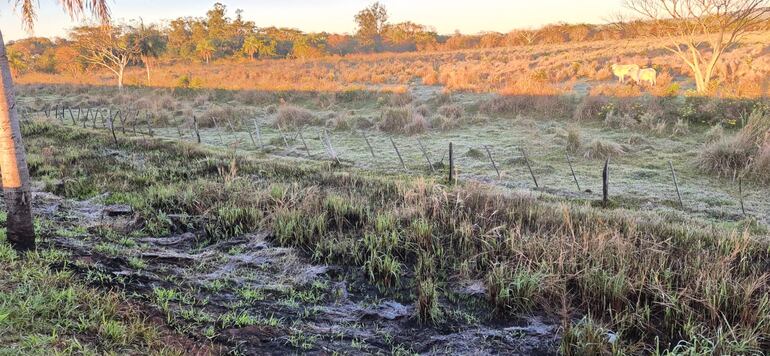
(744, 153)
(294, 116)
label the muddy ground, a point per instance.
(248, 296)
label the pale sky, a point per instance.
(468, 16)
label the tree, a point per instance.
(699, 32)
(68, 60)
(217, 21)
(17, 62)
(205, 49)
(108, 46)
(20, 230)
(254, 47)
(371, 24)
(307, 47)
(152, 43)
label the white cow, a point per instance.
(648, 75)
(623, 70)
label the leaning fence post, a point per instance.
(195, 127)
(451, 164)
(96, 114)
(676, 184)
(305, 144)
(425, 154)
(368, 144)
(216, 128)
(122, 122)
(526, 160)
(259, 134)
(569, 161)
(328, 145)
(230, 124)
(606, 183)
(285, 141)
(494, 165)
(112, 130)
(133, 123)
(251, 137)
(398, 153)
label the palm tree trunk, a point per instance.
(13, 164)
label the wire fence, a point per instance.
(426, 155)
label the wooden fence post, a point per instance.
(569, 161)
(230, 124)
(368, 144)
(740, 195)
(133, 123)
(531, 172)
(451, 164)
(305, 143)
(285, 141)
(425, 154)
(494, 165)
(606, 183)
(398, 153)
(676, 184)
(112, 130)
(195, 127)
(216, 128)
(122, 118)
(329, 147)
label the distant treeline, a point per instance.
(218, 36)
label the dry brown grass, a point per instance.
(574, 140)
(403, 120)
(602, 149)
(294, 116)
(744, 153)
(523, 70)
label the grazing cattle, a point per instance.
(623, 70)
(648, 75)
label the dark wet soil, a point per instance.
(250, 296)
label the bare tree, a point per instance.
(699, 32)
(529, 36)
(110, 47)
